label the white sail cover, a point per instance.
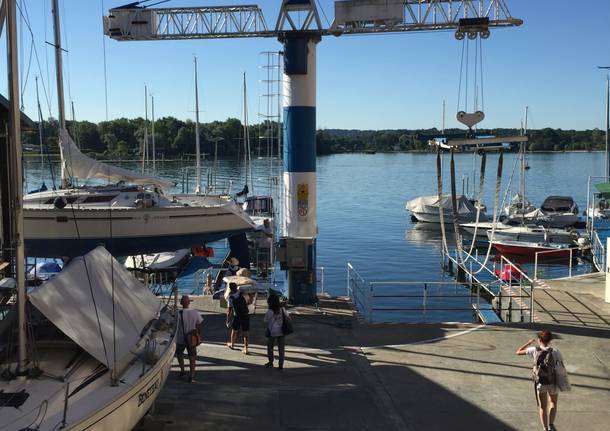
(81, 294)
(76, 164)
(430, 205)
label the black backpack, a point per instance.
(240, 307)
(544, 368)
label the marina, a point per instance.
(153, 257)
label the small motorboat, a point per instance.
(427, 209)
(530, 249)
(560, 211)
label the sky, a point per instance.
(390, 81)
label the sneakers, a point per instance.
(552, 427)
(269, 365)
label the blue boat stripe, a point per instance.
(299, 139)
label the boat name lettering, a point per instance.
(143, 396)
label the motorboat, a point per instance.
(427, 209)
(104, 345)
(531, 249)
(560, 211)
(533, 233)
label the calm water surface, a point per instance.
(361, 204)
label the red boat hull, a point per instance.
(530, 251)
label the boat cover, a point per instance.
(79, 301)
(430, 205)
(558, 204)
(77, 165)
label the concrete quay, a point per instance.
(341, 374)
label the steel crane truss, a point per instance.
(423, 15)
(351, 17)
(186, 23)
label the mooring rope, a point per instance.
(439, 182)
(479, 200)
(495, 215)
(454, 208)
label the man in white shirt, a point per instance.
(189, 323)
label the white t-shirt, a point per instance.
(274, 322)
(191, 319)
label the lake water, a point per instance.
(361, 204)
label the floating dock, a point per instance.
(343, 374)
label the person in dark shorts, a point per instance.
(238, 317)
(189, 322)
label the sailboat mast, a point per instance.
(247, 155)
(522, 185)
(152, 132)
(60, 85)
(40, 128)
(607, 127)
(197, 141)
(145, 143)
(16, 184)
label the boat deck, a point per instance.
(342, 374)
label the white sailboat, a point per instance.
(131, 216)
(89, 349)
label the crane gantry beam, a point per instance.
(134, 22)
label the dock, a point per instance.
(344, 374)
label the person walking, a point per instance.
(189, 332)
(274, 318)
(549, 376)
(238, 317)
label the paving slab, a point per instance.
(341, 374)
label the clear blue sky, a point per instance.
(364, 82)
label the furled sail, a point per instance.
(77, 165)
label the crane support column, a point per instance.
(299, 142)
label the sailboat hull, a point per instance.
(67, 232)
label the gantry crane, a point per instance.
(298, 27)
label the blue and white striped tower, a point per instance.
(299, 101)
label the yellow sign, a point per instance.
(303, 192)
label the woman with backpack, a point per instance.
(549, 375)
(278, 326)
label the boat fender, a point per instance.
(60, 202)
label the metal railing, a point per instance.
(518, 288)
(414, 301)
(598, 252)
(320, 287)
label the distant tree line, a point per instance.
(123, 138)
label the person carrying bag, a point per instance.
(188, 337)
(279, 325)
